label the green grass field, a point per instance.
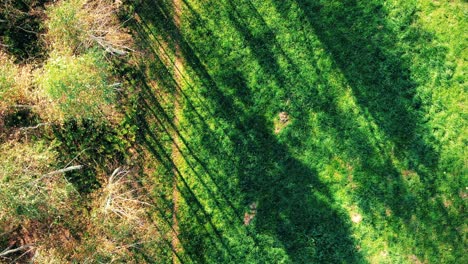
(343, 121)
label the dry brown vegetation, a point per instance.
(88, 23)
(35, 203)
(43, 216)
(15, 88)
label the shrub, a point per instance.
(65, 29)
(27, 192)
(14, 83)
(119, 223)
(8, 72)
(76, 78)
(78, 25)
(77, 86)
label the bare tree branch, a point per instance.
(23, 106)
(9, 251)
(67, 169)
(28, 31)
(34, 127)
(71, 168)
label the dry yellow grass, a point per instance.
(15, 82)
(77, 25)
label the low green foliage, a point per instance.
(65, 26)
(79, 86)
(26, 191)
(94, 144)
(8, 72)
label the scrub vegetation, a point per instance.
(222, 131)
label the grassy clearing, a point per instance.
(370, 166)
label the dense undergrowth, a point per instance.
(297, 131)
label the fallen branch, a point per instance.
(34, 127)
(27, 31)
(67, 169)
(71, 168)
(108, 47)
(23, 106)
(9, 251)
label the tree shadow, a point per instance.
(294, 206)
(364, 46)
(365, 49)
(368, 50)
(309, 227)
(155, 135)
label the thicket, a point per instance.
(77, 86)
(20, 24)
(69, 188)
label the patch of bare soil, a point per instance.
(415, 259)
(356, 218)
(250, 215)
(281, 121)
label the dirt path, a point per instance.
(176, 155)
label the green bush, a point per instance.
(66, 29)
(26, 191)
(78, 86)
